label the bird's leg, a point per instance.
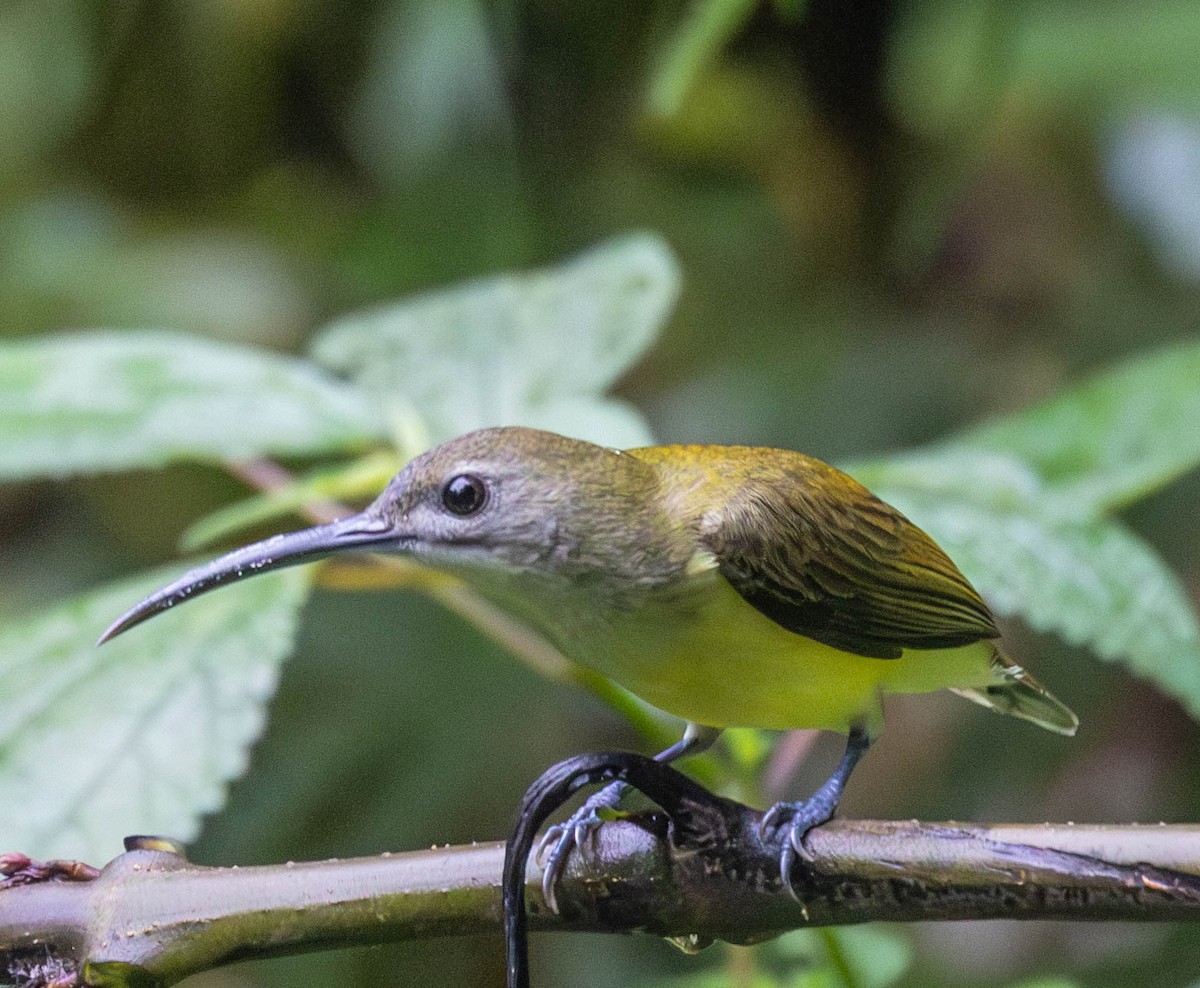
(792, 821)
(557, 841)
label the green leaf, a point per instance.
(876, 956)
(151, 725)
(116, 400)
(834, 957)
(1093, 582)
(705, 30)
(844, 956)
(536, 349)
(42, 100)
(1114, 438)
(1020, 504)
(433, 85)
(956, 473)
(364, 478)
(1049, 982)
(952, 64)
(721, 978)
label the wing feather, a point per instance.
(815, 551)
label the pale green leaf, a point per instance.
(704, 30)
(1115, 54)
(609, 422)
(538, 348)
(956, 473)
(1152, 170)
(877, 956)
(103, 401)
(1020, 505)
(142, 734)
(860, 956)
(362, 479)
(432, 83)
(1093, 582)
(1113, 438)
(49, 70)
(721, 977)
(952, 64)
(1050, 982)
(863, 956)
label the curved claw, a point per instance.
(801, 825)
(773, 819)
(576, 831)
(579, 829)
(552, 868)
(555, 846)
(800, 818)
(552, 835)
(797, 819)
(787, 861)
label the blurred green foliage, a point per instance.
(148, 736)
(892, 221)
(492, 351)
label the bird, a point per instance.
(730, 586)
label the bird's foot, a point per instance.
(789, 824)
(576, 831)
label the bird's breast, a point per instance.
(696, 649)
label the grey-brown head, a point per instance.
(505, 501)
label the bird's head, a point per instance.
(488, 505)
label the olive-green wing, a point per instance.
(816, 552)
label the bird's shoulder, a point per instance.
(818, 553)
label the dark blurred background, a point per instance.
(894, 219)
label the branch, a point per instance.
(168, 918)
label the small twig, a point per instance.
(266, 475)
(20, 869)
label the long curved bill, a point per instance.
(363, 532)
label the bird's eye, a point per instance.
(464, 494)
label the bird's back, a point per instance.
(818, 553)
(872, 603)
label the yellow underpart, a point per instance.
(715, 660)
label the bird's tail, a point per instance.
(1017, 693)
